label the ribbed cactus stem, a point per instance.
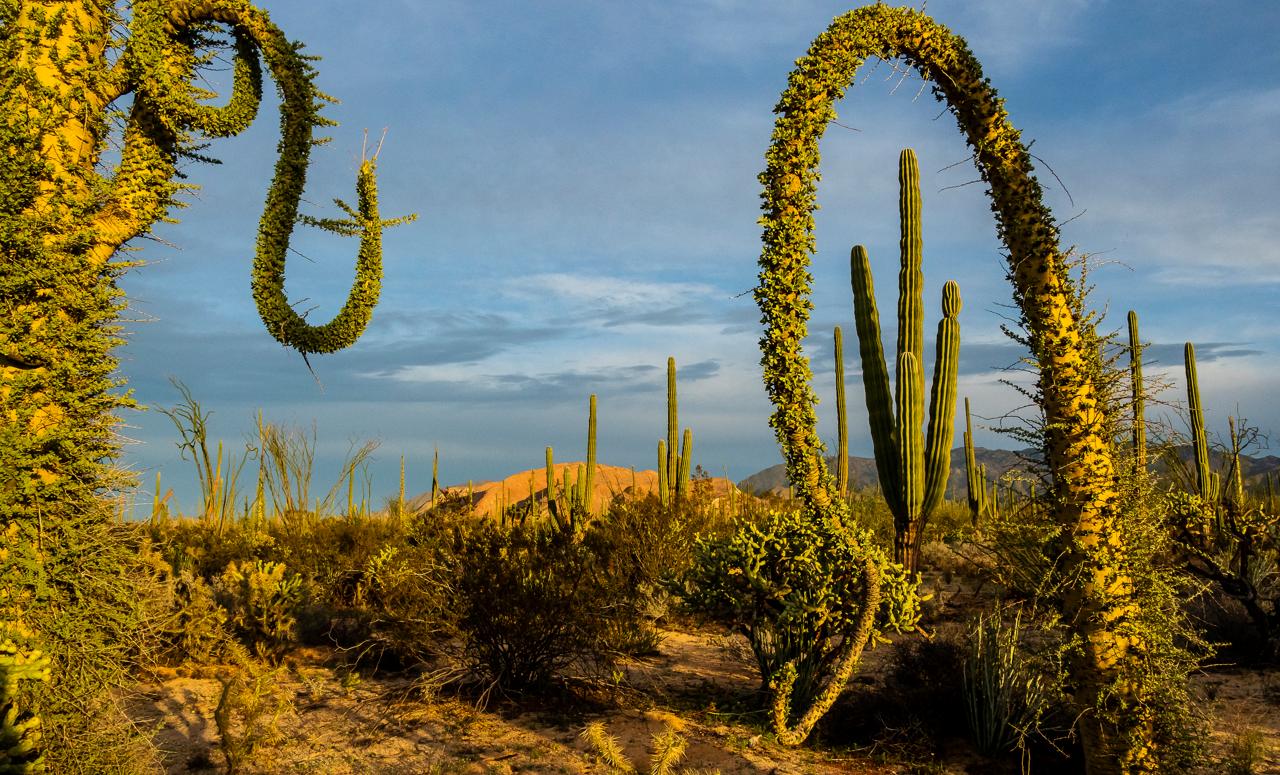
(1237, 478)
(875, 376)
(664, 495)
(673, 424)
(910, 275)
(1135, 379)
(975, 474)
(156, 501)
(842, 420)
(682, 470)
(942, 400)
(910, 453)
(435, 477)
(400, 497)
(1200, 444)
(589, 480)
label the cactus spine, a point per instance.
(913, 467)
(842, 421)
(673, 456)
(1135, 380)
(976, 474)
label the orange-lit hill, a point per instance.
(489, 498)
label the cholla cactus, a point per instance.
(20, 749)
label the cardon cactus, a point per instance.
(976, 475)
(1207, 480)
(913, 467)
(675, 452)
(1138, 397)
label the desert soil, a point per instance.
(701, 684)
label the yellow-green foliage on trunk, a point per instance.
(1100, 609)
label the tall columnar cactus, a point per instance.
(1138, 399)
(913, 467)
(976, 475)
(1207, 481)
(1102, 607)
(674, 453)
(842, 421)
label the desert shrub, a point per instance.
(262, 601)
(328, 550)
(406, 599)
(645, 549)
(205, 547)
(795, 587)
(531, 603)
(249, 709)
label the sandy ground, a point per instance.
(337, 721)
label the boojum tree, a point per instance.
(71, 69)
(64, 220)
(1100, 609)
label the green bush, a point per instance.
(795, 586)
(532, 602)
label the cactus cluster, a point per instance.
(570, 507)
(673, 458)
(913, 467)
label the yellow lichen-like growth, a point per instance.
(1078, 453)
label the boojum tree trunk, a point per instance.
(1100, 608)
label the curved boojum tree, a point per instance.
(1100, 608)
(63, 221)
(71, 70)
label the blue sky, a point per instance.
(585, 179)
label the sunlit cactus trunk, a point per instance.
(1138, 397)
(1100, 607)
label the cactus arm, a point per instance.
(942, 401)
(875, 376)
(682, 475)
(673, 425)
(1205, 484)
(664, 493)
(975, 475)
(1135, 380)
(591, 457)
(842, 420)
(910, 449)
(910, 274)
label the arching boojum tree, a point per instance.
(71, 70)
(1100, 608)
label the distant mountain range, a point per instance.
(862, 470)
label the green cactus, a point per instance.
(976, 475)
(20, 731)
(1207, 481)
(435, 477)
(572, 505)
(1135, 379)
(842, 421)
(913, 467)
(673, 456)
